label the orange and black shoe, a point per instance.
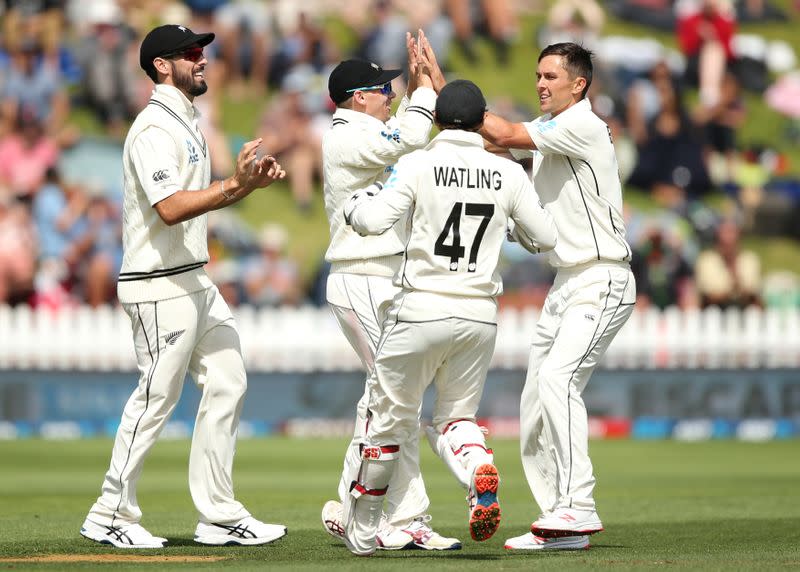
(484, 508)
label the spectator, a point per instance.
(644, 99)
(663, 275)
(726, 275)
(244, 28)
(292, 128)
(657, 14)
(103, 257)
(110, 77)
(271, 278)
(17, 252)
(58, 211)
(722, 120)
(705, 30)
(671, 163)
(496, 17)
(225, 274)
(384, 40)
(303, 41)
(577, 21)
(25, 156)
(40, 21)
(35, 84)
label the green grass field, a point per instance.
(720, 505)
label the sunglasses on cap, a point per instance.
(385, 89)
(194, 54)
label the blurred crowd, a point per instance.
(675, 116)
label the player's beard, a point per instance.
(186, 82)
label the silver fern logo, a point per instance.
(171, 338)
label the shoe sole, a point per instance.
(228, 541)
(108, 542)
(485, 517)
(561, 533)
(414, 546)
(508, 547)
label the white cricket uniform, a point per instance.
(357, 151)
(441, 328)
(180, 321)
(575, 173)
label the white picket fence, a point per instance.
(308, 339)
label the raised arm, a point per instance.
(503, 133)
(427, 58)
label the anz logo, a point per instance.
(392, 135)
(159, 176)
(194, 156)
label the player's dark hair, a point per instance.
(576, 59)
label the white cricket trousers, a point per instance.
(452, 353)
(584, 310)
(197, 333)
(359, 303)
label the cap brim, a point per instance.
(386, 76)
(201, 40)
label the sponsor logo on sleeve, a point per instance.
(160, 175)
(392, 135)
(545, 126)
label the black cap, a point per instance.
(168, 39)
(460, 104)
(352, 74)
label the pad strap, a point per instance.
(380, 452)
(357, 489)
(465, 445)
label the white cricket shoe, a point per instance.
(121, 536)
(567, 522)
(530, 541)
(332, 519)
(247, 532)
(484, 508)
(417, 535)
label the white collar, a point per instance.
(176, 100)
(459, 137)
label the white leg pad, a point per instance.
(363, 505)
(467, 444)
(441, 447)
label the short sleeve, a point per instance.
(560, 137)
(155, 159)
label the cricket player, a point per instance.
(180, 321)
(361, 148)
(441, 327)
(575, 172)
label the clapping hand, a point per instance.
(252, 172)
(267, 170)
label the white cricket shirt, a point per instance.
(357, 151)
(460, 197)
(576, 175)
(164, 152)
